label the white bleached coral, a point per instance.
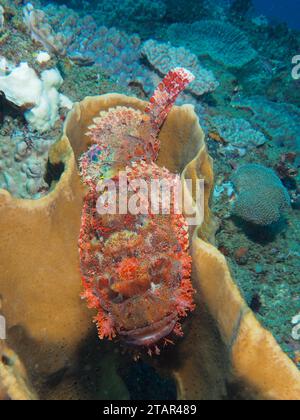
(39, 96)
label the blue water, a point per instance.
(280, 10)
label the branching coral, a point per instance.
(261, 197)
(164, 56)
(220, 40)
(138, 297)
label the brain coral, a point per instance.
(220, 40)
(261, 197)
(163, 56)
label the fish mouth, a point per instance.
(147, 336)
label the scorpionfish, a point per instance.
(135, 267)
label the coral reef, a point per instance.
(296, 328)
(112, 50)
(14, 384)
(50, 343)
(41, 31)
(162, 57)
(117, 53)
(47, 323)
(267, 275)
(140, 16)
(58, 336)
(256, 358)
(2, 18)
(23, 158)
(220, 40)
(261, 197)
(24, 88)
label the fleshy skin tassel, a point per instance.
(135, 267)
(166, 94)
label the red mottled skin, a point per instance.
(135, 268)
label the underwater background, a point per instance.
(245, 56)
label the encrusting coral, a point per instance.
(49, 343)
(41, 31)
(87, 43)
(261, 196)
(140, 299)
(279, 120)
(163, 56)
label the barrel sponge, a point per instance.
(261, 197)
